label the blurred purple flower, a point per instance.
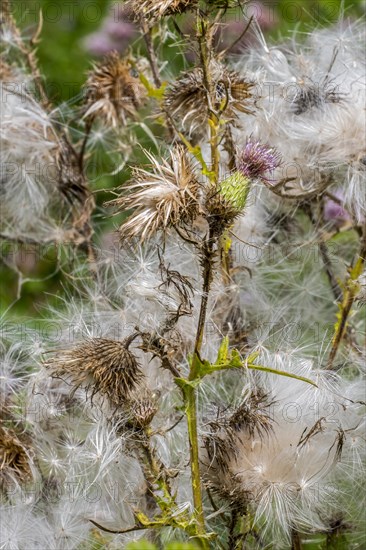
(256, 159)
(115, 33)
(334, 212)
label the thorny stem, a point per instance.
(151, 53)
(153, 62)
(204, 37)
(232, 537)
(189, 392)
(7, 18)
(156, 475)
(207, 279)
(349, 296)
(191, 415)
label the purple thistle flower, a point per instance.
(256, 159)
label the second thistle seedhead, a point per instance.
(168, 196)
(101, 366)
(113, 94)
(15, 461)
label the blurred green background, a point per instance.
(64, 61)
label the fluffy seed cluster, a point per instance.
(278, 451)
(28, 146)
(311, 109)
(100, 366)
(167, 196)
(186, 98)
(112, 94)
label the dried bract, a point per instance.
(142, 408)
(155, 9)
(167, 196)
(14, 457)
(113, 94)
(186, 98)
(101, 366)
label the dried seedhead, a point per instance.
(141, 408)
(186, 98)
(155, 9)
(113, 94)
(249, 418)
(71, 182)
(100, 366)
(314, 96)
(168, 196)
(252, 415)
(15, 458)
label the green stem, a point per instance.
(191, 414)
(349, 296)
(156, 476)
(204, 36)
(189, 393)
(207, 279)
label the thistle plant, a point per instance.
(202, 382)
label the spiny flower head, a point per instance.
(165, 197)
(142, 407)
(186, 98)
(112, 93)
(235, 189)
(256, 159)
(155, 9)
(14, 457)
(101, 366)
(225, 202)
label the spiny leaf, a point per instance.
(157, 93)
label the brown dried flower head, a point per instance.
(6, 72)
(112, 92)
(155, 9)
(15, 457)
(142, 408)
(101, 366)
(167, 196)
(186, 98)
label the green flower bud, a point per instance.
(235, 189)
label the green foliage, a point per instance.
(180, 546)
(141, 545)
(145, 545)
